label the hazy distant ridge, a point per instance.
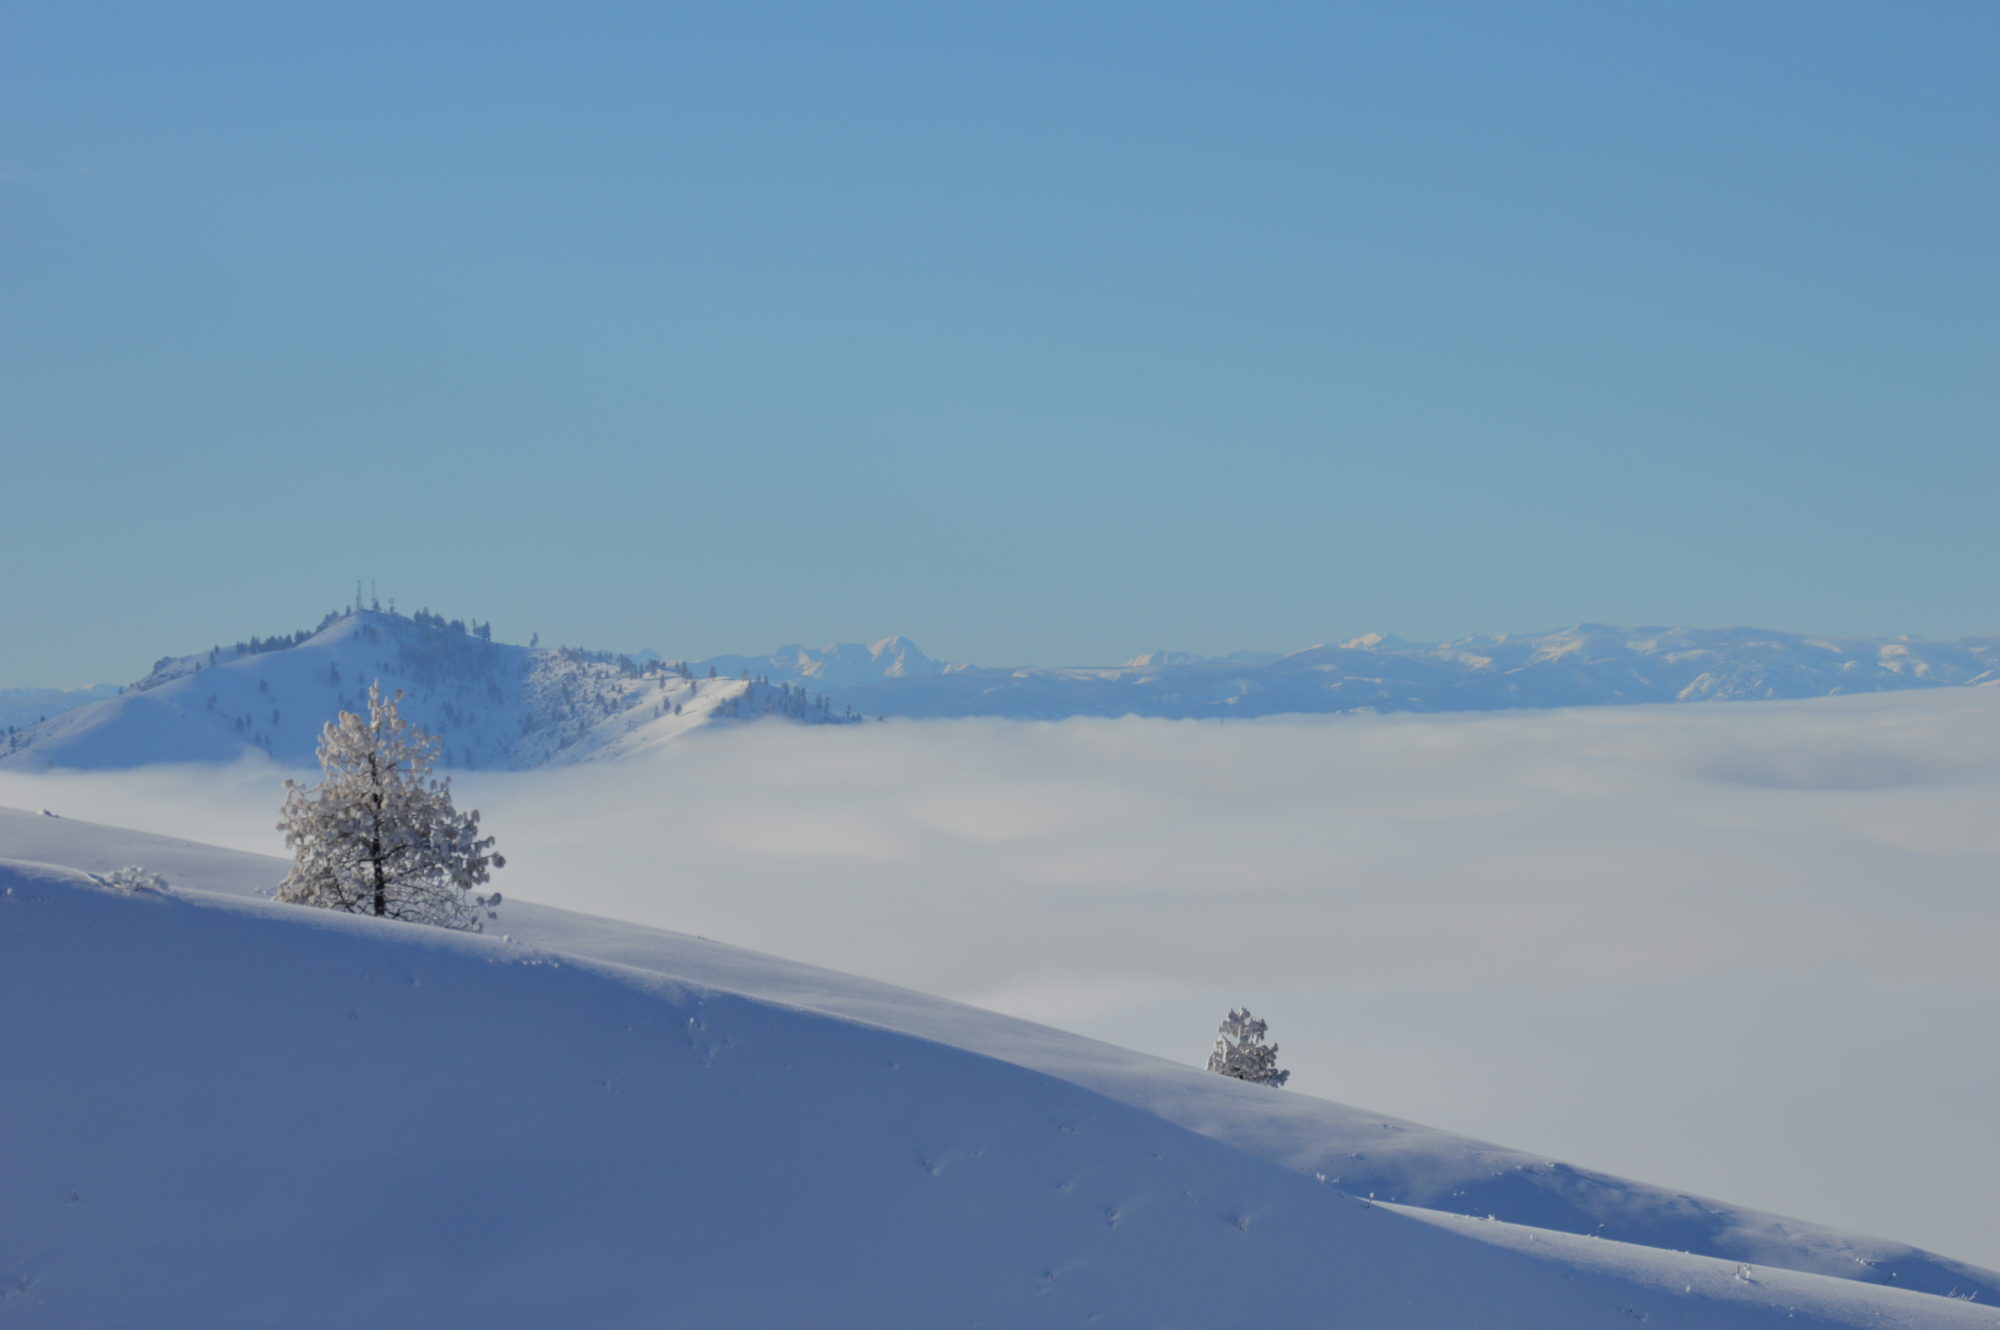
(1588, 665)
(28, 706)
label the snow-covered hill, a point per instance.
(1588, 665)
(624, 1111)
(493, 705)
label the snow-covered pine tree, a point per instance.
(1240, 1050)
(134, 878)
(379, 835)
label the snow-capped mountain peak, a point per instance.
(1373, 642)
(835, 665)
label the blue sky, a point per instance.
(1036, 332)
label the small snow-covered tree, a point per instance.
(379, 835)
(134, 878)
(1240, 1050)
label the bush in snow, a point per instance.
(379, 835)
(133, 878)
(1240, 1050)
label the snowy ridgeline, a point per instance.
(501, 706)
(594, 1123)
(492, 705)
(1589, 665)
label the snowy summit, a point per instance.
(493, 705)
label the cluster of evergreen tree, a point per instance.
(424, 618)
(764, 698)
(436, 659)
(257, 646)
(619, 661)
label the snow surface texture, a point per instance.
(1335, 1147)
(494, 706)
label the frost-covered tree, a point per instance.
(1240, 1050)
(134, 878)
(379, 835)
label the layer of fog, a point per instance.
(1744, 949)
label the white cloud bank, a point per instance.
(1746, 949)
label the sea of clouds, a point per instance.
(1744, 949)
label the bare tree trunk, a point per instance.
(375, 841)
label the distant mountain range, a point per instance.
(496, 705)
(841, 665)
(25, 706)
(1588, 665)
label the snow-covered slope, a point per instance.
(1591, 664)
(493, 705)
(243, 1115)
(1336, 1147)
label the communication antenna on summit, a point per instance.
(357, 595)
